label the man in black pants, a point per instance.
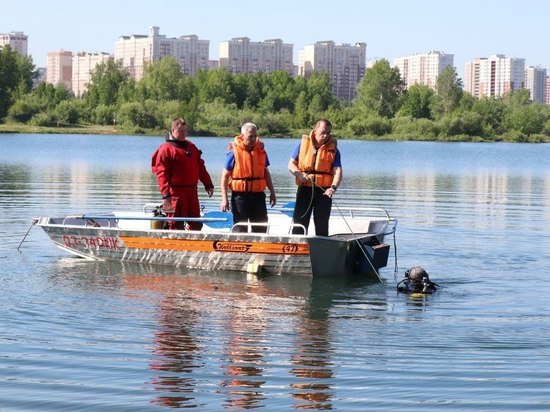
(246, 173)
(316, 165)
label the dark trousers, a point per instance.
(249, 207)
(320, 205)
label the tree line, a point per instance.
(216, 102)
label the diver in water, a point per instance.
(416, 280)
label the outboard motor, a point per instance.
(416, 280)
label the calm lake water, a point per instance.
(80, 335)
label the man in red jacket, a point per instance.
(178, 165)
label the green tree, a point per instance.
(16, 75)
(448, 92)
(43, 99)
(218, 115)
(49, 96)
(162, 81)
(103, 114)
(319, 90)
(529, 119)
(106, 81)
(416, 102)
(380, 90)
(302, 117)
(371, 125)
(522, 115)
(215, 84)
(241, 88)
(66, 112)
(137, 114)
(491, 110)
(279, 92)
(517, 98)
(24, 109)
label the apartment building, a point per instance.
(83, 65)
(136, 51)
(535, 82)
(423, 68)
(547, 96)
(240, 55)
(494, 76)
(17, 40)
(344, 63)
(59, 68)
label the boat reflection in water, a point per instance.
(262, 319)
(246, 340)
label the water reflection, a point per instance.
(177, 352)
(13, 178)
(244, 357)
(291, 316)
(312, 365)
(192, 306)
(178, 343)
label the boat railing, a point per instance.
(93, 219)
(355, 211)
(371, 213)
(284, 228)
(89, 220)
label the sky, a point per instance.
(390, 28)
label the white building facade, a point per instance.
(59, 68)
(240, 55)
(494, 76)
(17, 40)
(344, 63)
(423, 68)
(136, 51)
(83, 65)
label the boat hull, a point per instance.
(245, 252)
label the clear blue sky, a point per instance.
(391, 28)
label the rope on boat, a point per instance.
(34, 222)
(357, 240)
(359, 244)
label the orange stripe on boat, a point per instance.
(216, 246)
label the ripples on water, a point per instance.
(80, 335)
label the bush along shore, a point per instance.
(130, 131)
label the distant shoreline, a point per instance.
(16, 128)
(76, 129)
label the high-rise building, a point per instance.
(494, 76)
(240, 55)
(344, 63)
(535, 82)
(547, 98)
(82, 67)
(59, 68)
(423, 68)
(136, 51)
(17, 40)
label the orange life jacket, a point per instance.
(249, 170)
(317, 163)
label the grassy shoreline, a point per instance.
(112, 130)
(122, 131)
(76, 129)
